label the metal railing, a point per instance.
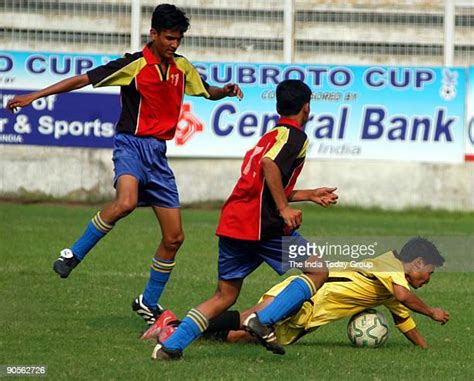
(407, 32)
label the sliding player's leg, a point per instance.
(228, 325)
(289, 300)
(226, 328)
(292, 297)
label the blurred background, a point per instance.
(420, 33)
(388, 32)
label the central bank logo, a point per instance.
(188, 125)
(449, 83)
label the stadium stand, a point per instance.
(402, 32)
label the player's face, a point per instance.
(165, 43)
(420, 275)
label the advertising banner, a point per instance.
(84, 118)
(470, 117)
(357, 112)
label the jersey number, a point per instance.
(174, 79)
(255, 152)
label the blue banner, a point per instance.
(68, 120)
(357, 112)
(84, 118)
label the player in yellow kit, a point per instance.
(345, 293)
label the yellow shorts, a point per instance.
(324, 307)
(291, 329)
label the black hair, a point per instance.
(421, 247)
(292, 95)
(169, 17)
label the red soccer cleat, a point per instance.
(161, 324)
(166, 332)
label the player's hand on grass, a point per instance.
(20, 101)
(292, 217)
(233, 90)
(440, 315)
(324, 196)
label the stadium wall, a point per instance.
(76, 174)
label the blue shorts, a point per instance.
(238, 258)
(145, 159)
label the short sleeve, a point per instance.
(407, 325)
(389, 271)
(289, 146)
(388, 279)
(119, 72)
(398, 309)
(195, 85)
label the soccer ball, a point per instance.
(368, 329)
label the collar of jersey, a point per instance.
(150, 57)
(288, 122)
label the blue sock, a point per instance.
(159, 274)
(192, 326)
(96, 229)
(289, 300)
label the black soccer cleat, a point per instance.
(264, 334)
(161, 353)
(146, 313)
(65, 263)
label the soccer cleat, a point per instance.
(65, 263)
(264, 334)
(146, 313)
(167, 318)
(161, 353)
(167, 332)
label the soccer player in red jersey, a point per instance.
(257, 224)
(152, 83)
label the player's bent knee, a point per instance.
(125, 207)
(173, 242)
(229, 301)
(225, 300)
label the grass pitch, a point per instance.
(83, 327)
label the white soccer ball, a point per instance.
(368, 328)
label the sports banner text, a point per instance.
(357, 112)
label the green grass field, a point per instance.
(83, 327)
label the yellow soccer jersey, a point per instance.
(347, 293)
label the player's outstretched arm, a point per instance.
(407, 326)
(414, 303)
(415, 337)
(229, 90)
(272, 174)
(64, 86)
(322, 196)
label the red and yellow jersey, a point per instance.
(250, 213)
(151, 99)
